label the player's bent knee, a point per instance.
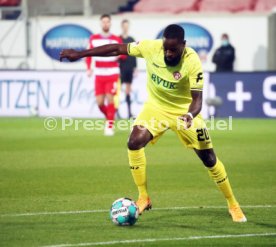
(207, 156)
(139, 138)
(135, 143)
(210, 160)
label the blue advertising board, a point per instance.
(245, 95)
(65, 36)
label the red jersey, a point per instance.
(104, 66)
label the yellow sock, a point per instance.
(137, 162)
(218, 174)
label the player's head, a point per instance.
(173, 44)
(125, 26)
(105, 22)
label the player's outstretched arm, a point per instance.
(101, 51)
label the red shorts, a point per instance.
(106, 84)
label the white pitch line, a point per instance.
(105, 211)
(56, 213)
(267, 234)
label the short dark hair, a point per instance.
(105, 16)
(174, 31)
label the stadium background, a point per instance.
(62, 171)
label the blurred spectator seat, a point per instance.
(169, 6)
(10, 9)
(265, 5)
(226, 5)
(10, 2)
(128, 7)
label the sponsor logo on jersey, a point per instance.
(166, 84)
(66, 36)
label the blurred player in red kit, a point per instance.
(107, 74)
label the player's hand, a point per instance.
(89, 72)
(188, 120)
(70, 54)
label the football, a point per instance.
(124, 212)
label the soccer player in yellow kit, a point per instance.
(174, 85)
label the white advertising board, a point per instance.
(251, 50)
(12, 38)
(61, 94)
(248, 34)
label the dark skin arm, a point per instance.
(194, 108)
(101, 51)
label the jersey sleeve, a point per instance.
(139, 49)
(195, 73)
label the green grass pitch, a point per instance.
(74, 171)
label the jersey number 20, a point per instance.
(202, 134)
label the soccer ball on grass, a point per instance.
(124, 212)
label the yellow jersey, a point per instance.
(169, 88)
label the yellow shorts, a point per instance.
(157, 122)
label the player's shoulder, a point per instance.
(156, 42)
(191, 60)
(145, 48)
(151, 43)
(190, 54)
